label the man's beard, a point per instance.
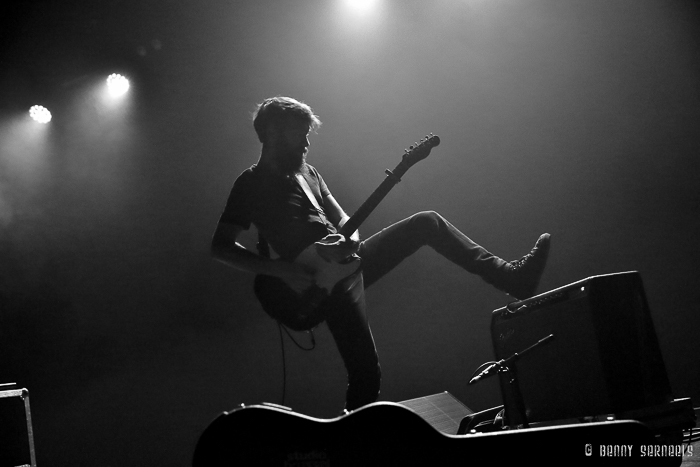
(292, 162)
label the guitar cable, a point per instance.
(284, 359)
(264, 250)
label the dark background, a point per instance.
(579, 118)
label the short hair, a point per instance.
(279, 109)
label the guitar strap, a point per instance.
(309, 194)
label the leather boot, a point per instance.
(520, 278)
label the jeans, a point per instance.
(380, 253)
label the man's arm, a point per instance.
(342, 250)
(337, 216)
(224, 248)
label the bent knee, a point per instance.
(427, 221)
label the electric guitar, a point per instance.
(388, 434)
(303, 309)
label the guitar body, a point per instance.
(390, 434)
(327, 273)
(301, 310)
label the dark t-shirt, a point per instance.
(279, 209)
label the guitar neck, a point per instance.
(363, 212)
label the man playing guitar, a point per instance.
(296, 214)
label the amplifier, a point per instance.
(603, 358)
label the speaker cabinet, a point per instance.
(16, 435)
(604, 356)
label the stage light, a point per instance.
(117, 84)
(361, 5)
(40, 114)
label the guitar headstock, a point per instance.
(421, 150)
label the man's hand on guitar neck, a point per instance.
(336, 248)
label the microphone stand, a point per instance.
(507, 365)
